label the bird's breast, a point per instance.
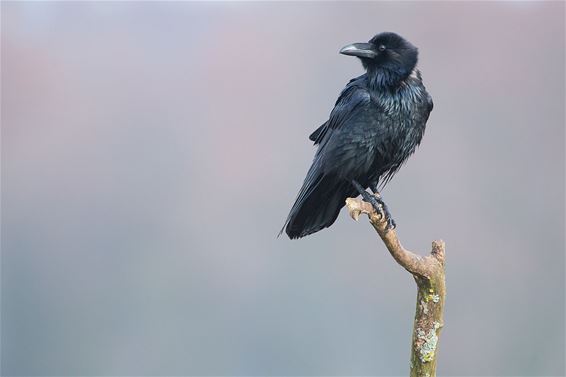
(398, 122)
(401, 102)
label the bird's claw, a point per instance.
(377, 203)
(391, 223)
(381, 208)
(387, 215)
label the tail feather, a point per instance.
(317, 206)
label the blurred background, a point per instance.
(151, 152)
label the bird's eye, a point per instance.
(381, 48)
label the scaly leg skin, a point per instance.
(377, 202)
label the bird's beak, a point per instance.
(361, 50)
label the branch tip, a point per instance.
(357, 206)
(439, 250)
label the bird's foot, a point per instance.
(379, 205)
(390, 221)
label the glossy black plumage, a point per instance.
(376, 124)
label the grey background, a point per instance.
(151, 151)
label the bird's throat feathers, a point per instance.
(386, 78)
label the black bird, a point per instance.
(376, 124)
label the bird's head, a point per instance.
(388, 53)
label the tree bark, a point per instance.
(428, 273)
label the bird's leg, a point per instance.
(368, 198)
(385, 210)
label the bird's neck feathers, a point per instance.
(381, 78)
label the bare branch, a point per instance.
(428, 273)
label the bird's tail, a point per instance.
(317, 206)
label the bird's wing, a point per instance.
(346, 112)
(349, 101)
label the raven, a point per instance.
(377, 122)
